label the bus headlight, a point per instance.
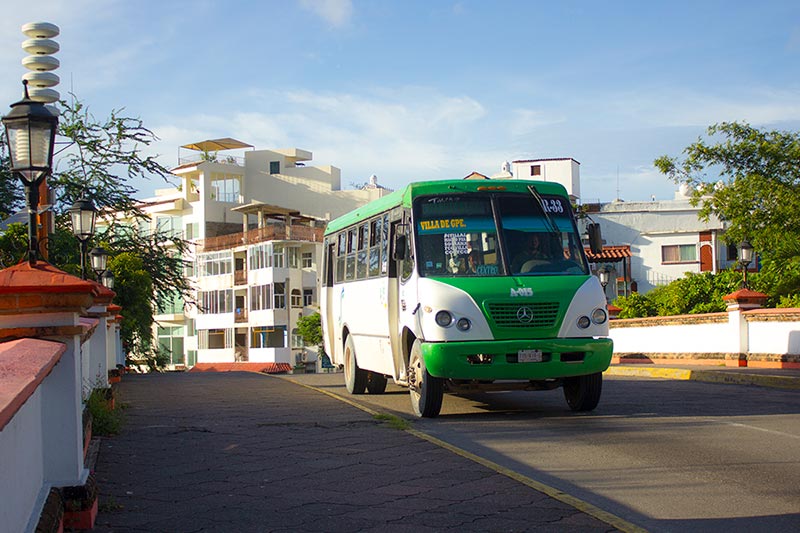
(463, 324)
(599, 316)
(444, 319)
(584, 322)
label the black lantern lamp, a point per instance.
(604, 274)
(98, 258)
(30, 135)
(745, 258)
(107, 279)
(83, 215)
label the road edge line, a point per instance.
(557, 494)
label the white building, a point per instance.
(666, 239)
(256, 219)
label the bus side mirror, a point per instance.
(400, 244)
(595, 237)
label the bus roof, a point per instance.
(403, 197)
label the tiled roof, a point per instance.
(266, 368)
(609, 253)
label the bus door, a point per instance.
(403, 303)
(396, 229)
(326, 298)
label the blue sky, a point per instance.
(411, 90)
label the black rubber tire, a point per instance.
(583, 392)
(355, 379)
(376, 383)
(426, 391)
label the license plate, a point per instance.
(529, 356)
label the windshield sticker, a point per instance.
(456, 244)
(442, 223)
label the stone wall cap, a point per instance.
(743, 294)
(43, 278)
(24, 364)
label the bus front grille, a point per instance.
(523, 315)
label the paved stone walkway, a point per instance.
(243, 452)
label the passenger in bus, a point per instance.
(532, 253)
(473, 260)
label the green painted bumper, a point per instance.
(562, 358)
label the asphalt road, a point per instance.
(665, 455)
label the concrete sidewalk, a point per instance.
(761, 377)
(239, 451)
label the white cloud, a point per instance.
(337, 13)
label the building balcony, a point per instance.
(275, 232)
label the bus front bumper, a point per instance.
(517, 359)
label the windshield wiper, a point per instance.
(551, 225)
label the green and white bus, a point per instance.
(463, 285)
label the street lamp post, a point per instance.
(30, 136)
(604, 274)
(83, 214)
(745, 258)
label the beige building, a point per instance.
(255, 218)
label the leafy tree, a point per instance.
(751, 179)
(310, 329)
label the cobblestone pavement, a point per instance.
(241, 452)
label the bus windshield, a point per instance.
(459, 235)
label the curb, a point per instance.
(582, 506)
(708, 376)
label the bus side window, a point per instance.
(375, 248)
(385, 245)
(340, 257)
(361, 257)
(350, 264)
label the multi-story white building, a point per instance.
(256, 220)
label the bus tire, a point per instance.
(583, 392)
(355, 379)
(376, 383)
(426, 391)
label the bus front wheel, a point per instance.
(583, 392)
(355, 379)
(426, 391)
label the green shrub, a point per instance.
(106, 415)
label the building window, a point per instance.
(215, 264)
(169, 226)
(268, 337)
(306, 261)
(297, 298)
(679, 253)
(260, 297)
(297, 339)
(170, 340)
(274, 167)
(280, 295)
(536, 170)
(225, 188)
(308, 297)
(215, 302)
(171, 304)
(215, 339)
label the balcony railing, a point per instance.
(254, 236)
(212, 158)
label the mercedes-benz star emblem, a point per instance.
(524, 314)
